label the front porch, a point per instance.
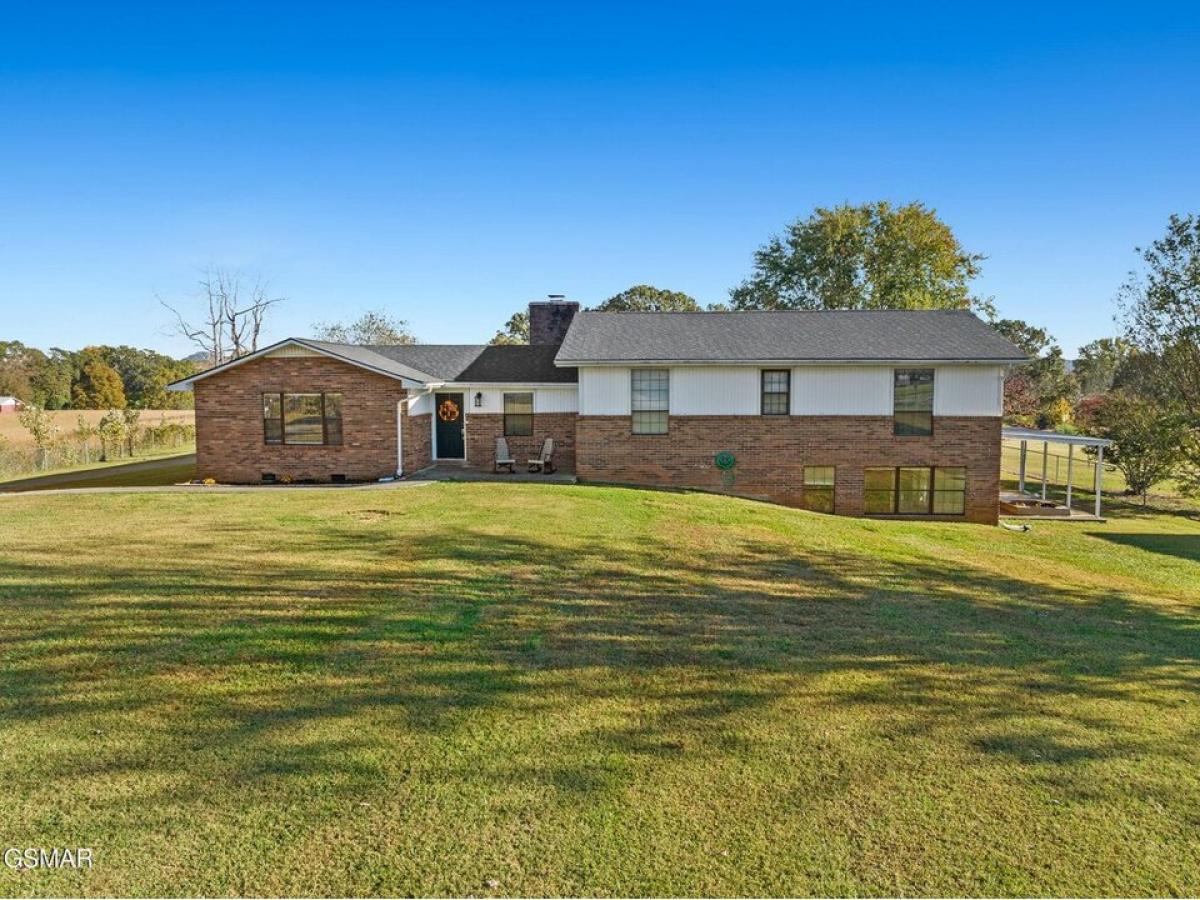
(449, 471)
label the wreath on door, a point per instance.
(448, 411)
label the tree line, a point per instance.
(98, 377)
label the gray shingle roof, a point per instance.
(793, 335)
(483, 363)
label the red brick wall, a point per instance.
(418, 442)
(771, 454)
(484, 428)
(229, 429)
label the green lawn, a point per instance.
(589, 690)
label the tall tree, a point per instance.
(372, 327)
(1098, 363)
(19, 366)
(233, 309)
(52, 383)
(97, 386)
(145, 375)
(647, 298)
(516, 330)
(1160, 305)
(1161, 308)
(871, 256)
(1037, 392)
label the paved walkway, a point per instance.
(220, 488)
(79, 477)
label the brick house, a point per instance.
(888, 413)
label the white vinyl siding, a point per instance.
(969, 391)
(714, 391)
(545, 400)
(842, 391)
(603, 391)
(421, 405)
(554, 400)
(291, 351)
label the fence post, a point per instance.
(1070, 473)
(1045, 460)
(1099, 472)
(1021, 474)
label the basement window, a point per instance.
(818, 488)
(915, 491)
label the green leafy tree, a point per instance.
(18, 367)
(97, 386)
(1098, 363)
(42, 430)
(1148, 440)
(1040, 391)
(516, 330)
(52, 382)
(374, 327)
(111, 429)
(871, 256)
(647, 298)
(1160, 305)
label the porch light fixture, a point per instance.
(478, 399)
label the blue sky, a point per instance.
(450, 162)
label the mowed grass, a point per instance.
(535, 689)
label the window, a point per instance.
(333, 419)
(313, 419)
(912, 402)
(272, 418)
(913, 496)
(915, 491)
(650, 400)
(776, 384)
(879, 491)
(950, 491)
(518, 415)
(303, 419)
(818, 488)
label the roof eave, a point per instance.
(415, 379)
(810, 361)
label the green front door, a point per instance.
(448, 414)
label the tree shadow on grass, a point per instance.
(271, 668)
(1184, 546)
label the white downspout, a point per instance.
(401, 409)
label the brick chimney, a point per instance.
(549, 319)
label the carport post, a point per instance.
(1099, 470)
(1021, 479)
(1070, 473)
(1045, 457)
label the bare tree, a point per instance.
(232, 314)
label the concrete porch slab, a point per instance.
(452, 472)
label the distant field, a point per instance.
(15, 434)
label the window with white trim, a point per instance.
(650, 399)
